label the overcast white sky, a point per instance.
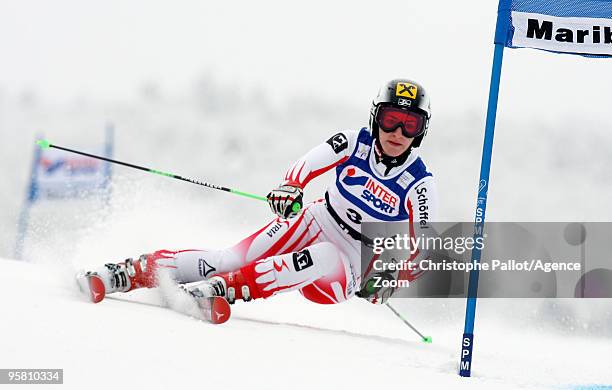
(338, 49)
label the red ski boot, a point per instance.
(230, 285)
(122, 277)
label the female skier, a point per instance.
(315, 248)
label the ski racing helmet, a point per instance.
(406, 95)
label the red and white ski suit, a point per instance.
(312, 252)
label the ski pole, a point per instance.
(45, 144)
(425, 339)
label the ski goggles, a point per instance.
(390, 118)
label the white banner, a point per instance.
(566, 35)
(60, 174)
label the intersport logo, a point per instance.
(362, 185)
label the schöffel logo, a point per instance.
(370, 190)
(422, 206)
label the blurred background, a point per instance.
(233, 92)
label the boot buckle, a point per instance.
(143, 263)
(129, 266)
(231, 294)
(246, 294)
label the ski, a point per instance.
(215, 310)
(92, 286)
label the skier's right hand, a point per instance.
(286, 201)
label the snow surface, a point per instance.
(285, 342)
(282, 343)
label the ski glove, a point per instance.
(286, 201)
(373, 290)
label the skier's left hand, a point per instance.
(373, 290)
(286, 201)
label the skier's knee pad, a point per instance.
(325, 256)
(331, 287)
(294, 270)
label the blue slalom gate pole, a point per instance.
(467, 343)
(24, 214)
(109, 146)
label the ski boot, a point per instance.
(121, 277)
(210, 299)
(230, 285)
